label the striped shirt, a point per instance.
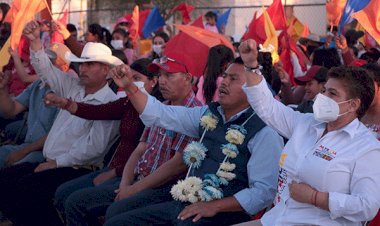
(162, 144)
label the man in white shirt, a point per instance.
(73, 147)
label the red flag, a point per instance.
(142, 18)
(256, 31)
(287, 46)
(134, 29)
(65, 18)
(198, 22)
(185, 10)
(277, 15)
(21, 12)
(369, 18)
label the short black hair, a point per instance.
(71, 27)
(163, 35)
(358, 84)
(373, 71)
(211, 14)
(321, 75)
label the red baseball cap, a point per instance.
(318, 73)
(172, 62)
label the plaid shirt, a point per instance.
(162, 144)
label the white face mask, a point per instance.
(157, 49)
(326, 109)
(117, 44)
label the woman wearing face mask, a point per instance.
(159, 41)
(329, 171)
(120, 41)
(131, 129)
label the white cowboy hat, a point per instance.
(95, 52)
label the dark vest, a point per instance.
(213, 140)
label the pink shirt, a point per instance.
(200, 96)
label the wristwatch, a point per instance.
(256, 70)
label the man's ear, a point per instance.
(355, 104)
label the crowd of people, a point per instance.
(95, 133)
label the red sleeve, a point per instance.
(110, 111)
(75, 47)
(348, 57)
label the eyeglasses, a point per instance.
(165, 59)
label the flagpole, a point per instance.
(48, 7)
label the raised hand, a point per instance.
(60, 28)
(284, 76)
(248, 52)
(341, 43)
(122, 76)
(12, 52)
(32, 30)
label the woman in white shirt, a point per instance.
(329, 168)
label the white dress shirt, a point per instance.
(262, 166)
(73, 141)
(343, 163)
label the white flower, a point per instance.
(192, 198)
(193, 185)
(227, 175)
(235, 136)
(229, 153)
(227, 166)
(194, 154)
(178, 191)
(209, 122)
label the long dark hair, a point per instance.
(141, 66)
(162, 35)
(218, 58)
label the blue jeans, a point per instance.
(166, 213)
(141, 199)
(79, 201)
(32, 157)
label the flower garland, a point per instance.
(193, 189)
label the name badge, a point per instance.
(325, 153)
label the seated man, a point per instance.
(73, 147)
(156, 160)
(40, 118)
(229, 173)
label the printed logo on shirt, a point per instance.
(282, 182)
(282, 159)
(325, 153)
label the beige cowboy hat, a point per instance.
(95, 52)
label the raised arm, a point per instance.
(22, 74)
(57, 80)
(153, 113)
(75, 47)
(281, 118)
